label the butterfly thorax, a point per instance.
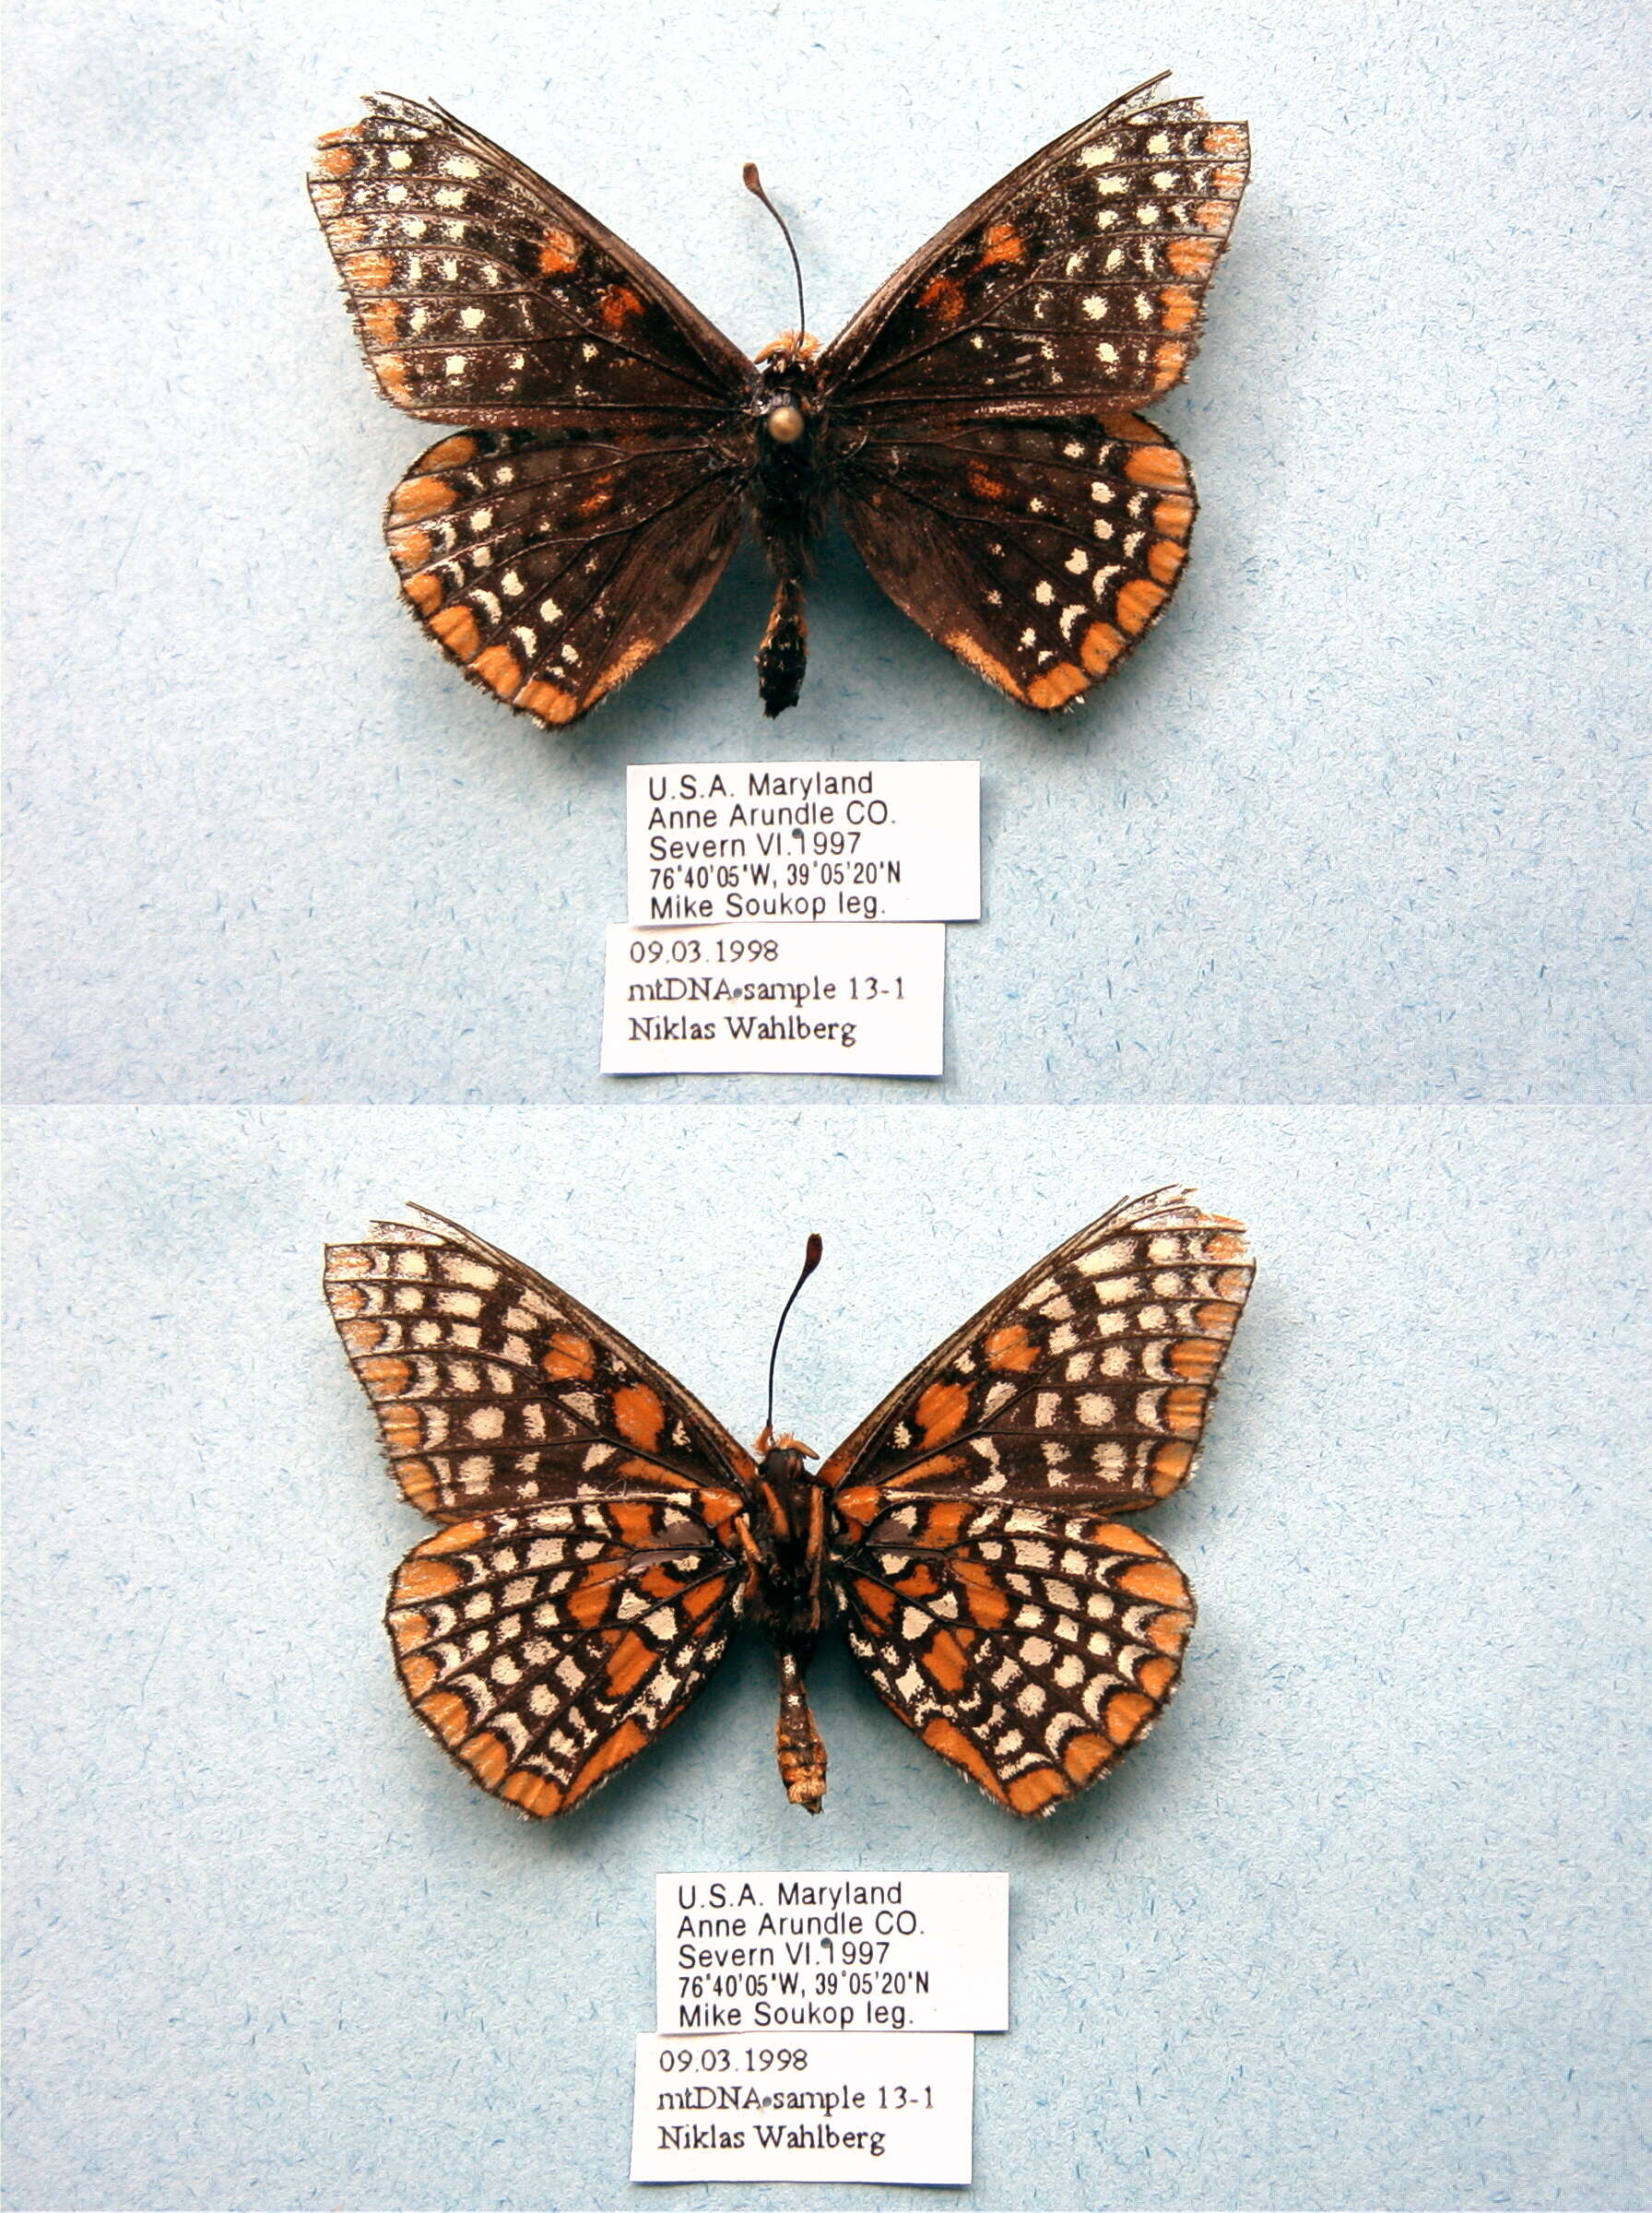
(788, 1525)
(788, 491)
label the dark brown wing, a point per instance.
(546, 1650)
(552, 565)
(989, 1591)
(482, 295)
(1074, 286)
(497, 1391)
(1038, 553)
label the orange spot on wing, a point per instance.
(988, 1605)
(458, 1536)
(940, 1414)
(1230, 179)
(944, 1660)
(1225, 1245)
(1138, 602)
(1159, 1579)
(408, 1629)
(362, 1336)
(1164, 557)
(418, 1480)
(535, 1794)
(449, 1716)
(622, 666)
(559, 251)
(453, 452)
(415, 498)
(498, 670)
(328, 200)
(1185, 1410)
(1191, 256)
(1168, 1632)
(1170, 360)
(403, 1427)
(1232, 1283)
(419, 1673)
(875, 1600)
(1214, 216)
(638, 1415)
(410, 548)
(346, 1298)
(918, 1582)
(1118, 1536)
(1039, 1787)
(1168, 1468)
(624, 1744)
(1083, 1757)
(944, 297)
(1057, 685)
(334, 158)
(1178, 306)
(1172, 516)
(487, 1755)
(1217, 1315)
(382, 321)
(1195, 1359)
(1124, 1714)
(634, 1523)
(391, 372)
(618, 305)
(943, 1521)
(550, 704)
(588, 1601)
(1159, 466)
(1002, 243)
(945, 1737)
(1155, 1676)
(1011, 1347)
(629, 1662)
(1100, 646)
(658, 1582)
(856, 1506)
(1225, 138)
(385, 1376)
(704, 1598)
(455, 626)
(425, 592)
(373, 272)
(986, 487)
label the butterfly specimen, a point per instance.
(602, 1534)
(975, 423)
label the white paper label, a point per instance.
(753, 844)
(773, 1953)
(803, 2109)
(859, 999)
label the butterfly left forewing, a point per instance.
(978, 1557)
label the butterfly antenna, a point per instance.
(811, 1261)
(754, 185)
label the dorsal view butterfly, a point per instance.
(977, 423)
(602, 1534)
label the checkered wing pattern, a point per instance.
(1038, 553)
(483, 295)
(1075, 285)
(546, 1649)
(590, 1565)
(991, 1593)
(996, 478)
(552, 565)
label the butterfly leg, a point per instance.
(798, 1743)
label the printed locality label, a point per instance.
(855, 999)
(814, 841)
(803, 2109)
(774, 1953)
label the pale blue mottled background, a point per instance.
(1357, 1927)
(1358, 822)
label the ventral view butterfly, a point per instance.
(602, 1534)
(975, 424)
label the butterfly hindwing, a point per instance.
(1038, 553)
(545, 1649)
(1075, 285)
(483, 295)
(550, 565)
(1029, 1647)
(1002, 1463)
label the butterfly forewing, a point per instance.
(1029, 1647)
(552, 565)
(545, 1649)
(1078, 1394)
(483, 295)
(494, 1388)
(1038, 553)
(1075, 285)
